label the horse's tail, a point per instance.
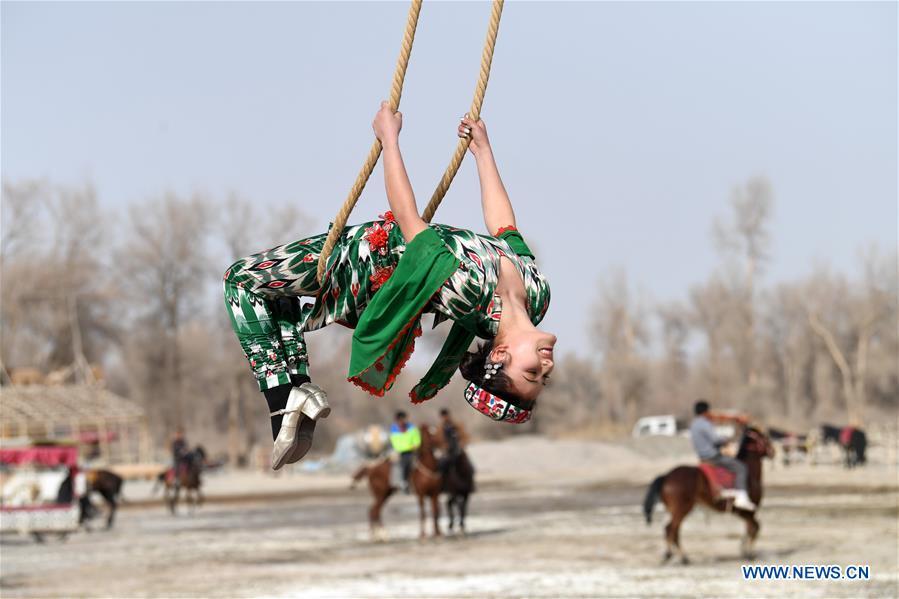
(359, 475)
(652, 497)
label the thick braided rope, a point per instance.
(396, 91)
(474, 113)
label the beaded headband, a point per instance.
(495, 407)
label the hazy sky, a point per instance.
(620, 128)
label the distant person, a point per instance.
(373, 442)
(455, 439)
(405, 439)
(707, 445)
(180, 452)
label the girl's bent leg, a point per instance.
(253, 320)
(262, 295)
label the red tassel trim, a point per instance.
(401, 363)
(504, 229)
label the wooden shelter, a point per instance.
(103, 423)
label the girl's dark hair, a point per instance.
(472, 369)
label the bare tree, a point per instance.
(673, 373)
(20, 212)
(244, 230)
(54, 296)
(620, 336)
(745, 239)
(710, 304)
(164, 266)
(574, 395)
(790, 345)
(847, 320)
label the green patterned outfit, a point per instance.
(379, 285)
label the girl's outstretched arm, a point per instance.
(387, 125)
(494, 199)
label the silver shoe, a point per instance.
(305, 404)
(316, 407)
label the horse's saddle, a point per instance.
(846, 435)
(719, 478)
(172, 473)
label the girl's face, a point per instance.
(527, 359)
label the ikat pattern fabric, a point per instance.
(264, 292)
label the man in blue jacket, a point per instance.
(707, 445)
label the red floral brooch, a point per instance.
(377, 236)
(380, 276)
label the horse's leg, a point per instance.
(111, 504)
(679, 505)
(173, 506)
(683, 556)
(463, 509)
(435, 509)
(382, 532)
(421, 516)
(669, 542)
(752, 532)
(450, 510)
(374, 517)
(85, 511)
(672, 535)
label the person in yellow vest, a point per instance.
(405, 438)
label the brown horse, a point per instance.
(425, 479)
(109, 486)
(682, 487)
(186, 477)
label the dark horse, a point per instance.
(425, 478)
(186, 476)
(458, 484)
(109, 486)
(682, 487)
(853, 441)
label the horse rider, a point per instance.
(180, 453)
(455, 438)
(405, 439)
(707, 445)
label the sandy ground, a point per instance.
(550, 519)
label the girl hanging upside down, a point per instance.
(381, 277)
